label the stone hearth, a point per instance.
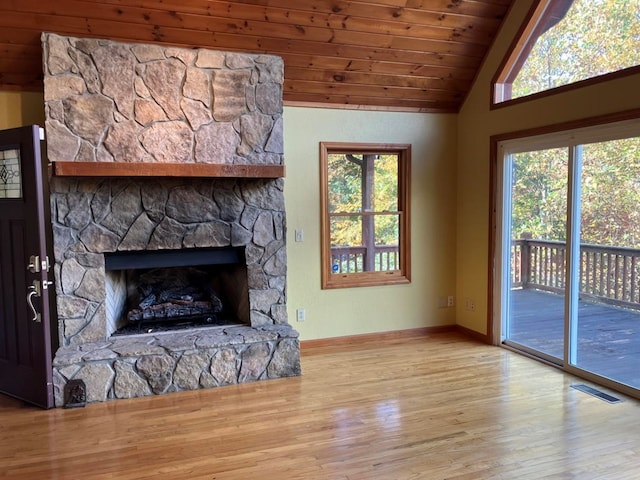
(111, 102)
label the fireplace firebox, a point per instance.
(157, 291)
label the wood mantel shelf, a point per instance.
(139, 169)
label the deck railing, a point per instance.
(351, 259)
(607, 274)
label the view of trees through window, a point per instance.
(363, 210)
(540, 194)
(594, 37)
(610, 194)
(365, 214)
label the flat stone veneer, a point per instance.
(140, 365)
(92, 217)
(106, 101)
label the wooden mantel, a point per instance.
(123, 169)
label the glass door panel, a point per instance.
(538, 223)
(608, 314)
(10, 177)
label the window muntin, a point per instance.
(365, 214)
(568, 41)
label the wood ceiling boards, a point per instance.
(390, 54)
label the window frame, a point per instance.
(542, 15)
(364, 279)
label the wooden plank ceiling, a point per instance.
(389, 54)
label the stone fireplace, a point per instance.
(211, 232)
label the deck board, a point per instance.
(608, 337)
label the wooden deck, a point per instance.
(608, 337)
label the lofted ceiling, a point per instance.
(390, 54)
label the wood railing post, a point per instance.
(524, 262)
(368, 221)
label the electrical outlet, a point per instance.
(301, 316)
(470, 304)
(450, 302)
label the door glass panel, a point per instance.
(535, 319)
(10, 178)
(608, 326)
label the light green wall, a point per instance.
(339, 312)
(21, 109)
(450, 196)
(332, 313)
(476, 123)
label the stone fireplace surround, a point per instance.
(170, 105)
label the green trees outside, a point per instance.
(363, 205)
(595, 37)
(539, 193)
(347, 197)
(610, 194)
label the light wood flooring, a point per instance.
(428, 407)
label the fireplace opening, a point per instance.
(155, 291)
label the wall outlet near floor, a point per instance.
(444, 302)
(301, 315)
(470, 304)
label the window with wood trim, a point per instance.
(365, 214)
(564, 42)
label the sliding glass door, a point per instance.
(538, 225)
(569, 250)
(608, 315)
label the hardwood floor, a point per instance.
(434, 407)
